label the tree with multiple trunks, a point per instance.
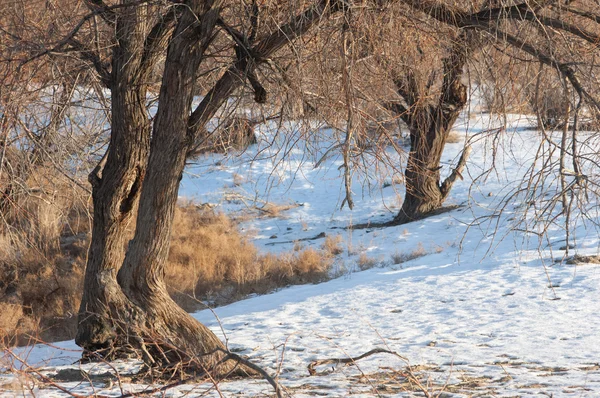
(206, 49)
(209, 49)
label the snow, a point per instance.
(488, 310)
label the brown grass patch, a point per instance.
(579, 259)
(402, 257)
(333, 245)
(211, 260)
(365, 262)
(455, 137)
(43, 251)
(43, 247)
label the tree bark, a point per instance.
(116, 184)
(429, 126)
(172, 334)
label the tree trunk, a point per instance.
(429, 126)
(116, 184)
(171, 334)
(422, 175)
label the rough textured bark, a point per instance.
(142, 274)
(429, 126)
(116, 184)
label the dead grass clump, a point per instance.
(211, 260)
(311, 265)
(365, 262)
(579, 259)
(401, 257)
(275, 210)
(454, 137)
(9, 318)
(333, 245)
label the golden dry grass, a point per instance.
(42, 257)
(211, 260)
(366, 262)
(333, 245)
(419, 251)
(43, 249)
(455, 137)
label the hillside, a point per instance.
(477, 301)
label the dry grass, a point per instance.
(579, 259)
(455, 137)
(211, 260)
(333, 245)
(402, 257)
(43, 249)
(42, 256)
(365, 262)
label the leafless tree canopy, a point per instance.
(108, 88)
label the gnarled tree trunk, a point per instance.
(126, 305)
(429, 125)
(165, 324)
(116, 184)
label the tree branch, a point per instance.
(157, 40)
(456, 173)
(103, 10)
(93, 57)
(399, 110)
(71, 35)
(584, 14)
(234, 76)
(349, 360)
(563, 68)
(479, 21)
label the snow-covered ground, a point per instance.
(487, 310)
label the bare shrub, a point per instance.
(365, 262)
(333, 245)
(402, 257)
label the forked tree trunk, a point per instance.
(128, 305)
(169, 333)
(429, 126)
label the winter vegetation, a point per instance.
(284, 198)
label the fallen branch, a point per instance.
(261, 371)
(319, 236)
(349, 360)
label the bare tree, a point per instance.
(561, 37)
(194, 47)
(175, 51)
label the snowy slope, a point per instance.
(486, 312)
